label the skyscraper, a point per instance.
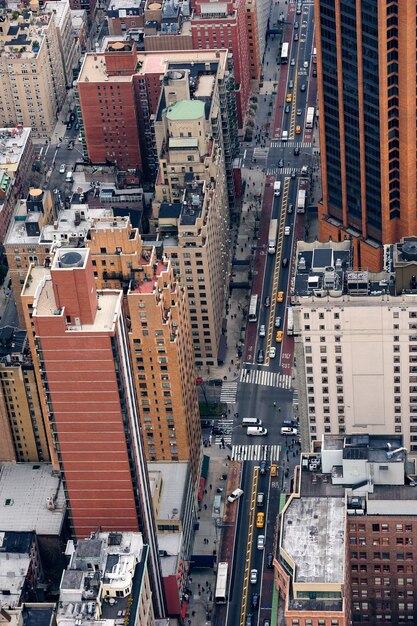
(79, 336)
(367, 103)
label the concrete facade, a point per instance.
(68, 42)
(356, 343)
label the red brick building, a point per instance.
(215, 26)
(82, 358)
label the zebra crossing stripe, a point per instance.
(265, 378)
(228, 393)
(245, 452)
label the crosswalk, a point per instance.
(291, 144)
(228, 393)
(279, 171)
(260, 153)
(266, 378)
(244, 452)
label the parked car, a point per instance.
(254, 576)
(62, 168)
(235, 495)
(314, 72)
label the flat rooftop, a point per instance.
(156, 62)
(12, 145)
(313, 536)
(73, 223)
(174, 484)
(24, 492)
(13, 571)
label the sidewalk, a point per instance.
(202, 581)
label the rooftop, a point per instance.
(70, 227)
(185, 110)
(31, 498)
(60, 9)
(23, 37)
(13, 142)
(98, 595)
(313, 536)
(14, 568)
(174, 486)
(12, 344)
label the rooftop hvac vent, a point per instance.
(71, 259)
(409, 251)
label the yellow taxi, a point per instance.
(278, 336)
(297, 130)
(274, 470)
(280, 296)
(260, 520)
(289, 97)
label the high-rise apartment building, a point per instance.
(16, 160)
(23, 435)
(68, 44)
(223, 25)
(159, 338)
(366, 55)
(356, 341)
(79, 340)
(190, 204)
(32, 72)
(347, 535)
(118, 95)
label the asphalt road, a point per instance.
(254, 400)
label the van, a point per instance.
(235, 495)
(277, 188)
(251, 421)
(284, 136)
(260, 499)
(69, 178)
(256, 431)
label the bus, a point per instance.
(253, 309)
(272, 236)
(220, 596)
(284, 53)
(310, 117)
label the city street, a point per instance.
(265, 390)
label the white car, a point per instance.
(272, 352)
(62, 168)
(235, 495)
(287, 430)
(262, 331)
(260, 544)
(287, 230)
(292, 62)
(254, 576)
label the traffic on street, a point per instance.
(261, 429)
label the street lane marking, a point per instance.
(249, 548)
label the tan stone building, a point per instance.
(191, 207)
(31, 72)
(22, 431)
(69, 44)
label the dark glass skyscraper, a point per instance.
(366, 53)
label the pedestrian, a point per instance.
(205, 507)
(198, 585)
(211, 486)
(205, 491)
